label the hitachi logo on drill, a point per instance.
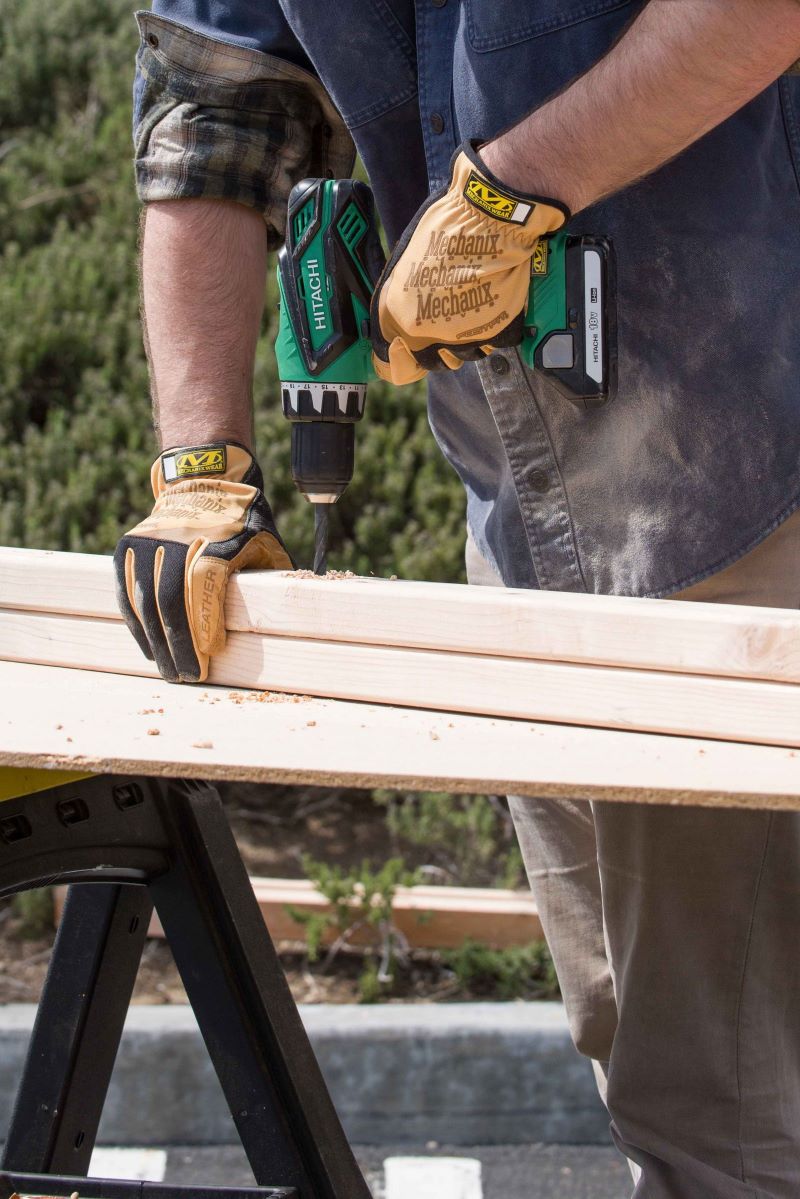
(318, 314)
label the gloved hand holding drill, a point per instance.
(210, 519)
(456, 284)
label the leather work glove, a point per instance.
(210, 518)
(456, 284)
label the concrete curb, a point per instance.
(473, 1073)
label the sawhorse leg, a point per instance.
(249, 1021)
(136, 841)
(77, 1030)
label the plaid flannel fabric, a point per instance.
(219, 121)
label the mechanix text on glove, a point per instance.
(457, 282)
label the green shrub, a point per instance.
(361, 898)
(519, 972)
(468, 840)
(35, 912)
(74, 398)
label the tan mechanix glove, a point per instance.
(210, 518)
(456, 285)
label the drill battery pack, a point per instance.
(570, 324)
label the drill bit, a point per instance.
(320, 538)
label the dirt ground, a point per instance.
(24, 961)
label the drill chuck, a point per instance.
(323, 455)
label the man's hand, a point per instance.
(210, 518)
(457, 282)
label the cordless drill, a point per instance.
(327, 271)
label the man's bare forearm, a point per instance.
(203, 279)
(682, 68)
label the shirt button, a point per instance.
(499, 364)
(539, 480)
(437, 122)
(153, 40)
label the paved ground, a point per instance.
(508, 1172)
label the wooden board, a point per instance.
(662, 635)
(79, 720)
(693, 705)
(428, 917)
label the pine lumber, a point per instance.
(428, 917)
(609, 697)
(664, 635)
(62, 719)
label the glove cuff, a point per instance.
(491, 196)
(219, 460)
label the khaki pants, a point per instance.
(676, 937)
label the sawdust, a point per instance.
(330, 574)
(154, 732)
(333, 575)
(203, 744)
(266, 697)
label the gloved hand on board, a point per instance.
(210, 518)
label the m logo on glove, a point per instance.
(206, 460)
(498, 205)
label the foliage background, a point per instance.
(74, 405)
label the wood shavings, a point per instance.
(311, 724)
(330, 574)
(154, 732)
(203, 744)
(267, 697)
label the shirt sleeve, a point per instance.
(214, 118)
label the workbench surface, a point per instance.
(85, 720)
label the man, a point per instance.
(673, 127)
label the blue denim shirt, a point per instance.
(698, 458)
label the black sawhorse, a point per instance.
(125, 845)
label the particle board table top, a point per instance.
(83, 720)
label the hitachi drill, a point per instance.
(327, 271)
